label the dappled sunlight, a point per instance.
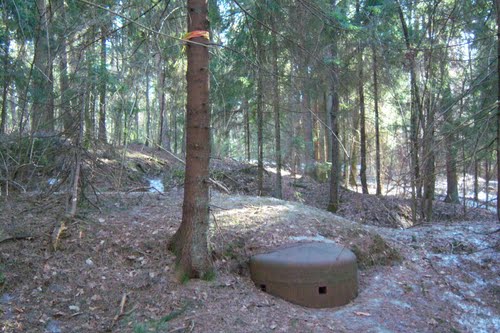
(251, 214)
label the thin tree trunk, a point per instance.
(308, 127)
(276, 106)
(6, 81)
(498, 108)
(246, 111)
(476, 181)
(43, 95)
(416, 187)
(362, 125)
(328, 135)
(353, 158)
(487, 179)
(190, 242)
(73, 202)
(333, 204)
(451, 171)
(102, 135)
(148, 108)
(377, 125)
(260, 114)
(3, 118)
(163, 137)
(63, 73)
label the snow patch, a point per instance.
(156, 185)
(316, 238)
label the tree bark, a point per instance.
(260, 113)
(377, 125)
(163, 137)
(333, 204)
(362, 125)
(497, 2)
(6, 80)
(190, 242)
(352, 171)
(63, 72)
(102, 135)
(148, 108)
(276, 106)
(246, 111)
(416, 187)
(43, 95)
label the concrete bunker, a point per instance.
(317, 275)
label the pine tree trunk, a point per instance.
(246, 111)
(308, 127)
(498, 108)
(362, 122)
(5, 80)
(451, 171)
(416, 187)
(63, 73)
(102, 135)
(276, 106)
(43, 96)
(353, 158)
(190, 242)
(377, 125)
(148, 109)
(328, 133)
(260, 114)
(333, 204)
(163, 138)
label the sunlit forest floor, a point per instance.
(111, 271)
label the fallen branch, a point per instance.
(122, 310)
(14, 238)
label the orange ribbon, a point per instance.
(197, 33)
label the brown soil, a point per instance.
(112, 272)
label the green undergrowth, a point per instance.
(155, 325)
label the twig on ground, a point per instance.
(121, 312)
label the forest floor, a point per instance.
(111, 271)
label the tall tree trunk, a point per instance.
(246, 111)
(308, 126)
(451, 170)
(377, 125)
(276, 106)
(63, 72)
(13, 106)
(333, 204)
(260, 113)
(353, 158)
(328, 135)
(102, 135)
(451, 152)
(148, 108)
(43, 95)
(498, 108)
(5, 80)
(476, 181)
(362, 122)
(416, 187)
(190, 242)
(163, 137)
